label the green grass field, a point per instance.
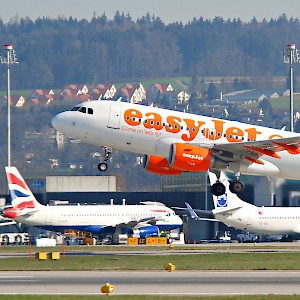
(269, 260)
(211, 261)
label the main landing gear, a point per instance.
(102, 167)
(236, 186)
(219, 188)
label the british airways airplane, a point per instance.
(234, 212)
(174, 142)
(148, 219)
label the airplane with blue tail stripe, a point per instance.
(147, 218)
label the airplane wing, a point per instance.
(133, 223)
(250, 152)
(207, 214)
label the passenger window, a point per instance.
(82, 109)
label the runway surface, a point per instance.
(152, 283)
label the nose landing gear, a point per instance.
(102, 167)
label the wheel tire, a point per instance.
(102, 167)
(236, 187)
(5, 240)
(18, 240)
(218, 189)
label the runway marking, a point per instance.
(15, 276)
(158, 294)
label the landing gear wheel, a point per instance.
(236, 187)
(218, 189)
(102, 167)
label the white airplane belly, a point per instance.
(128, 141)
(288, 164)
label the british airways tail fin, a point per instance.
(20, 194)
(229, 200)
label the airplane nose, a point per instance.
(57, 122)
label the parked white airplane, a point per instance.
(174, 141)
(234, 212)
(148, 218)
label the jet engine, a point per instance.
(191, 158)
(145, 230)
(159, 165)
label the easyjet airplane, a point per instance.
(146, 219)
(234, 212)
(174, 142)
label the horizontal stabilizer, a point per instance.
(194, 216)
(202, 212)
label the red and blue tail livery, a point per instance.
(21, 195)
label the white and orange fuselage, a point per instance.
(175, 141)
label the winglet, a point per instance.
(194, 216)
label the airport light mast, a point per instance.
(290, 55)
(9, 59)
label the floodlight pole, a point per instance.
(9, 59)
(8, 112)
(290, 55)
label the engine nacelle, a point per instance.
(145, 230)
(159, 165)
(190, 158)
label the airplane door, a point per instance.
(114, 116)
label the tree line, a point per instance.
(55, 52)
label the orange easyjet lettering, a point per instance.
(173, 124)
(154, 122)
(190, 127)
(234, 134)
(132, 117)
(252, 133)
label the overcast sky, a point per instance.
(168, 10)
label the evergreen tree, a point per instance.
(212, 92)
(266, 106)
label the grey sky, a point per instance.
(167, 10)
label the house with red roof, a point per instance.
(78, 89)
(160, 87)
(40, 92)
(104, 91)
(17, 101)
(130, 95)
(136, 89)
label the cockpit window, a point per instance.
(82, 109)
